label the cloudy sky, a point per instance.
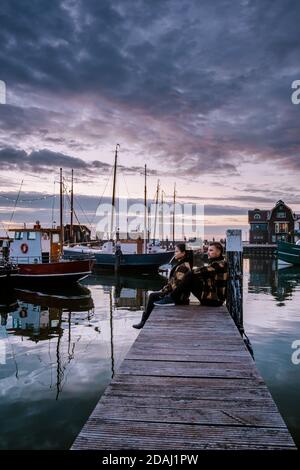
(198, 90)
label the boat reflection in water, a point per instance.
(42, 315)
(61, 348)
(128, 292)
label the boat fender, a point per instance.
(24, 248)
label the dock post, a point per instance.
(234, 254)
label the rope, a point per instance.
(14, 209)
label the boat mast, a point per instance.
(72, 209)
(162, 216)
(61, 212)
(114, 192)
(156, 205)
(145, 212)
(173, 227)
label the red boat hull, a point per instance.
(49, 273)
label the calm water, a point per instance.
(59, 350)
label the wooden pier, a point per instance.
(188, 382)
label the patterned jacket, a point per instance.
(210, 282)
(178, 280)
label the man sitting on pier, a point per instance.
(176, 291)
(209, 283)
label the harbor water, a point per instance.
(59, 349)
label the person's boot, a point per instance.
(140, 325)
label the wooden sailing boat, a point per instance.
(37, 252)
(141, 259)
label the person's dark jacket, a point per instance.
(210, 282)
(178, 285)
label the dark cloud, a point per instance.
(202, 86)
(41, 160)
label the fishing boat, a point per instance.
(37, 251)
(288, 253)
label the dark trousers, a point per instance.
(153, 297)
(175, 295)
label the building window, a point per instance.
(257, 216)
(259, 227)
(281, 227)
(281, 215)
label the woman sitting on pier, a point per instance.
(176, 291)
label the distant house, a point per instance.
(273, 225)
(258, 220)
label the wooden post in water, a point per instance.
(234, 254)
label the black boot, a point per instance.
(140, 325)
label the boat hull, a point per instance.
(7, 276)
(289, 253)
(52, 273)
(144, 262)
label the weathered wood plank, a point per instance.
(233, 417)
(189, 369)
(117, 434)
(188, 382)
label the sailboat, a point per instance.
(141, 259)
(130, 254)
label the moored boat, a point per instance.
(288, 253)
(133, 261)
(36, 251)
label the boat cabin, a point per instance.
(34, 245)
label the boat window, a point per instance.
(19, 235)
(31, 235)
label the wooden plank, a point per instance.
(179, 402)
(188, 382)
(189, 369)
(215, 416)
(118, 434)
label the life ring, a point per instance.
(24, 248)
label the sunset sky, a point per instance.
(199, 90)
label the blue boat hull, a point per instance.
(289, 252)
(149, 261)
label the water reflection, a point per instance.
(61, 348)
(265, 277)
(272, 321)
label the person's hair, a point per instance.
(181, 247)
(218, 245)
